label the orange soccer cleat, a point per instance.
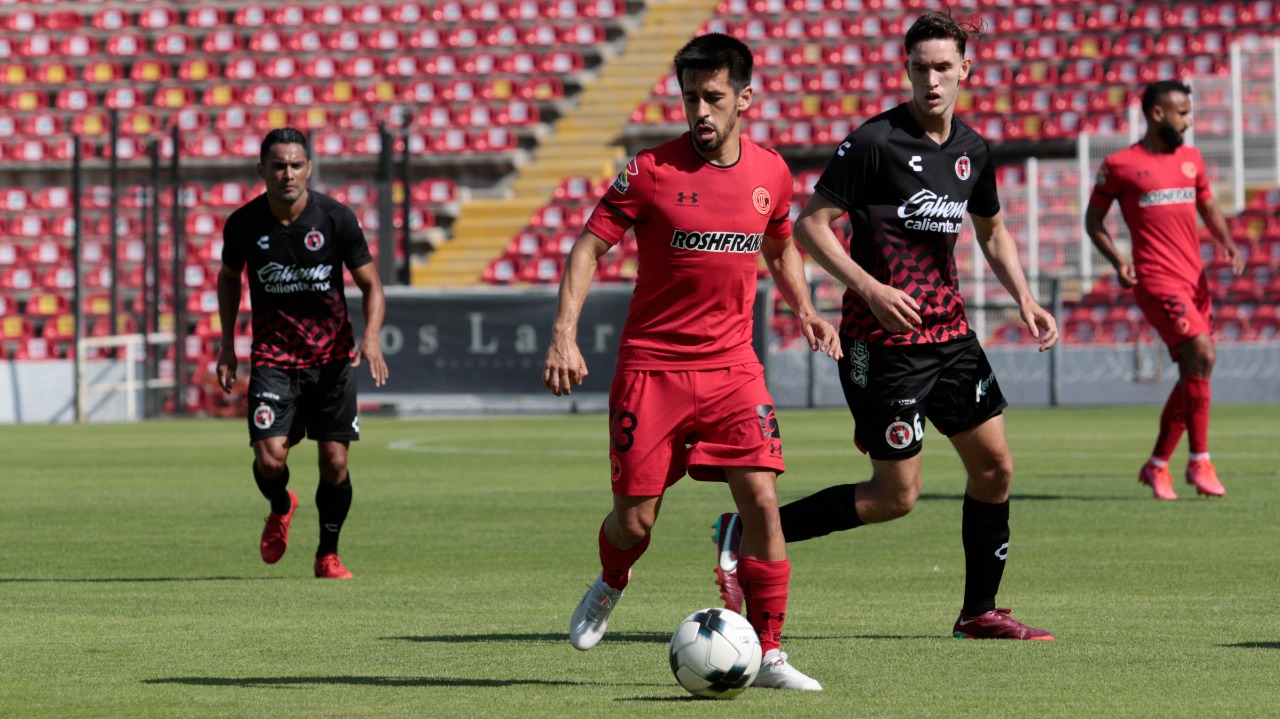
(328, 566)
(1158, 479)
(275, 536)
(1202, 476)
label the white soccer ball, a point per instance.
(715, 654)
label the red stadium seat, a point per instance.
(55, 73)
(222, 42)
(206, 16)
(17, 277)
(157, 18)
(35, 349)
(37, 45)
(123, 98)
(113, 18)
(28, 100)
(290, 15)
(48, 252)
(47, 304)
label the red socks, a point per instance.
(765, 586)
(616, 563)
(1198, 400)
(1173, 422)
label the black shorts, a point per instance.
(891, 390)
(320, 401)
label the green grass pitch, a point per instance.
(130, 584)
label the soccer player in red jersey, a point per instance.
(689, 393)
(1161, 184)
(906, 178)
(295, 242)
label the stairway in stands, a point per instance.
(586, 141)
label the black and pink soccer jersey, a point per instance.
(906, 197)
(295, 279)
(699, 228)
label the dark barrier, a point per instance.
(494, 342)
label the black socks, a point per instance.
(819, 514)
(985, 533)
(333, 501)
(274, 489)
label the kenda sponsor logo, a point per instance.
(286, 279)
(928, 212)
(1173, 196)
(716, 241)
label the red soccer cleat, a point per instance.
(1158, 479)
(328, 566)
(728, 539)
(996, 624)
(275, 536)
(1202, 476)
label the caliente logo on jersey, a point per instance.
(931, 213)
(281, 279)
(314, 240)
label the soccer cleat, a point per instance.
(1158, 479)
(328, 566)
(776, 673)
(1202, 476)
(275, 536)
(591, 617)
(728, 539)
(996, 624)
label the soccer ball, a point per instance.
(715, 654)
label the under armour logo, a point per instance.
(691, 197)
(262, 242)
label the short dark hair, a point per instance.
(941, 26)
(1155, 91)
(715, 51)
(283, 136)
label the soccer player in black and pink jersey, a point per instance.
(689, 394)
(907, 178)
(295, 242)
(1161, 184)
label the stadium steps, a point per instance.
(585, 142)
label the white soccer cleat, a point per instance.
(776, 673)
(591, 617)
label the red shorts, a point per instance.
(664, 424)
(1178, 309)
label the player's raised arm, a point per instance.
(229, 290)
(894, 309)
(375, 310)
(1002, 255)
(787, 267)
(564, 366)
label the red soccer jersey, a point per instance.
(699, 228)
(1158, 192)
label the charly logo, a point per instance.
(263, 417)
(314, 240)
(925, 210)
(1189, 169)
(262, 241)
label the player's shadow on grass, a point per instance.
(931, 496)
(555, 637)
(1252, 645)
(625, 637)
(288, 682)
(132, 580)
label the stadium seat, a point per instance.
(35, 349)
